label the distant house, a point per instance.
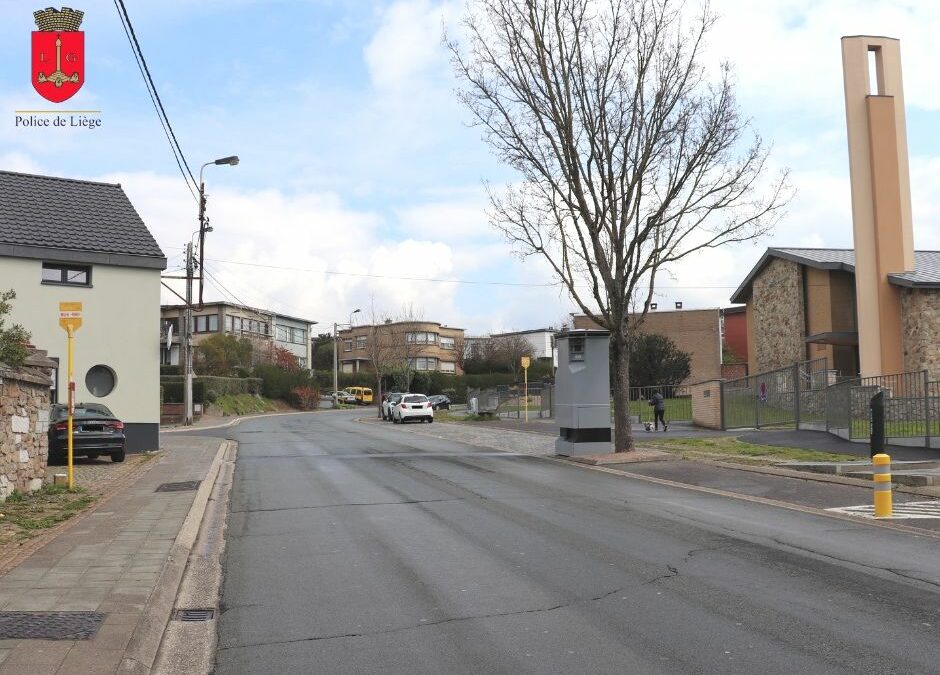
(265, 328)
(695, 331)
(64, 240)
(541, 339)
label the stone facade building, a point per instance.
(801, 305)
(24, 422)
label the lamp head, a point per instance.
(231, 161)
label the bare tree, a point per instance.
(631, 159)
(509, 351)
(407, 329)
(383, 350)
(393, 346)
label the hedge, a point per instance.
(207, 388)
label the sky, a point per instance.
(360, 172)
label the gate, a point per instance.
(776, 397)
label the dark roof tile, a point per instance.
(75, 215)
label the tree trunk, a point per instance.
(620, 367)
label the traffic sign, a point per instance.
(526, 361)
(70, 315)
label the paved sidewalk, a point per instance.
(110, 562)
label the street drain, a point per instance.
(178, 487)
(49, 625)
(194, 614)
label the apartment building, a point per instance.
(266, 329)
(427, 345)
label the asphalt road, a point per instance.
(358, 548)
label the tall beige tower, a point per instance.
(881, 195)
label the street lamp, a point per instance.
(187, 336)
(336, 352)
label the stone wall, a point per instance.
(24, 422)
(706, 404)
(920, 325)
(777, 313)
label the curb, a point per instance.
(237, 420)
(909, 529)
(817, 477)
(743, 497)
(141, 651)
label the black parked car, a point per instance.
(95, 431)
(439, 402)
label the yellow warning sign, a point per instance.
(70, 315)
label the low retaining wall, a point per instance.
(24, 424)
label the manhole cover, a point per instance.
(49, 625)
(194, 614)
(178, 487)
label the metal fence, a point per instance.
(779, 397)
(510, 401)
(912, 406)
(677, 397)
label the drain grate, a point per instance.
(178, 487)
(194, 614)
(49, 625)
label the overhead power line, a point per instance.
(178, 155)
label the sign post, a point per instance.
(70, 319)
(526, 362)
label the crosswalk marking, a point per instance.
(929, 509)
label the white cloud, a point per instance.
(787, 53)
(407, 47)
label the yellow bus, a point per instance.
(363, 394)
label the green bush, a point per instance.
(278, 383)
(173, 390)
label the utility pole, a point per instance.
(335, 361)
(187, 339)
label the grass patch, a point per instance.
(24, 516)
(730, 448)
(244, 404)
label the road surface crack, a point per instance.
(439, 622)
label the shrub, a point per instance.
(305, 398)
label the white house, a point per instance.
(64, 240)
(541, 339)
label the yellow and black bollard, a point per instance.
(881, 474)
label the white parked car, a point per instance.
(344, 397)
(411, 407)
(388, 402)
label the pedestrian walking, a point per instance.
(659, 411)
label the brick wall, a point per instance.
(695, 331)
(920, 330)
(706, 404)
(24, 423)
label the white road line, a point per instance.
(930, 509)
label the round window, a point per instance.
(100, 381)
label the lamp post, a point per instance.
(336, 351)
(187, 336)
